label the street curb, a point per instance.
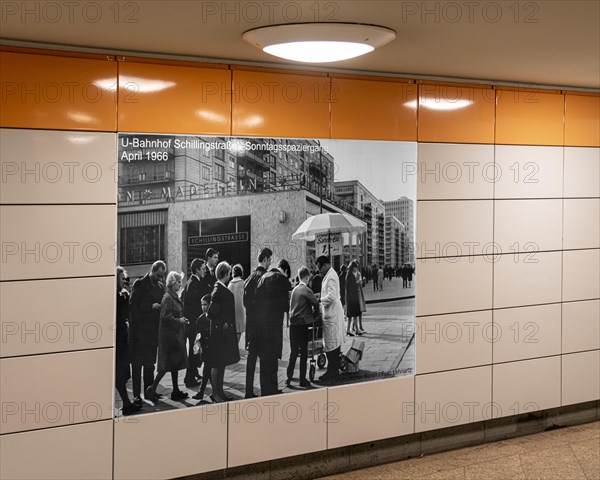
(368, 302)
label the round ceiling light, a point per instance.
(319, 42)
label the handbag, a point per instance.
(197, 348)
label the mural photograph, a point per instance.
(252, 267)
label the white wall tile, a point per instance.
(526, 386)
(454, 228)
(35, 318)
(580, 377)
(582, 223)
(44, 391)
(580, 326)
(57, 241)
(49, 166)
(365, 412)
(527, 279)
(455, 171)
(452, 398)
(64, 453)
(451, 285)
(528, 172)
(582, 172)
(581, 275)
(171, 444)
(448, 342)
(523, 225)
(267, 428)
(528, 332)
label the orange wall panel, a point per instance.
(582, 120)
(372, 110)
(59, 93)
(529, 117)
(456, 114)
(280, 105)
(174, 99)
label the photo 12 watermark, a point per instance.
(269, 12)
(470, 12)
(69, 12)
(452, 172)
(53, 252)
(491, 252)
(271, 91)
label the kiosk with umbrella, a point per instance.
(328, 223)
(325, 224)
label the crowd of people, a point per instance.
(378, 273)
(166, 325)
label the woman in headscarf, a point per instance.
(172, 355)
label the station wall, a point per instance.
(508, 248)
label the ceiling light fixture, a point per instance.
(319, 42)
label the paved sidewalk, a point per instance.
(388, 352)
(392, 289)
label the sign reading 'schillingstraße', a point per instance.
(225, 238)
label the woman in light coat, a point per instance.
(236, 286)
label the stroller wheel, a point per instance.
(321, 360)
(311, 372)
(343, 364)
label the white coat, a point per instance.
(236, 286)
(334, 332)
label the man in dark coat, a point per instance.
(144, 307)
(273, 296)
(342, 277)
(212, 259)
(192, 295)
(315, 283)
(252, 310)
(404, 273)
(304, 308)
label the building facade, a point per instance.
(395, 242)
(403, 209)
(180, 195)
(373, 212)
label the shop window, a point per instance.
(142, 244)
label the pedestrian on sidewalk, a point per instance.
(272, 295)
(361, 299)
(122, 372)
(374, 277)
(222, 341)
(333, 318)
(191, 297)
(236, 286)
(144, 309)
(404, 273)
(352, 300)
(303, 314)
(203, 326)
(172, 354)
(252, 313)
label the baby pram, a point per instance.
(315, 348)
